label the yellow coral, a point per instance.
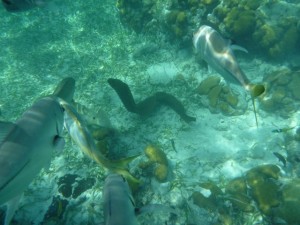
(213, 96)
(240, 22)
(206, 85)
(265, 36)
(289, 209)
(267, 195)
(181, 17)
(161, 173)
(264, 171)
(156, 155)
(231, 99)
(158, 159)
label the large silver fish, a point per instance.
(26, 147)
(21, 5)
(218, 53)
(118, 203)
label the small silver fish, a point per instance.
(26, 147)
(79, 132)
(81, 135)
(118, 203)
(21, 5)
(217, 52)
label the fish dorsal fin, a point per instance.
(238, 48)
(5, 128)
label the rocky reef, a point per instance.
(261, 192)
(220, 98)
(157, 163)
(269, 27)
(283, 93)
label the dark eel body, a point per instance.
(150, 104)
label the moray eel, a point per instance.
(146, 107)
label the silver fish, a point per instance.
(118, 203)
(21, 5)
(26, 147)
(81, 135)
(218, 53)
(79, 132)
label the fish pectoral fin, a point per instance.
(11, 208)
(5, 128)
(238, 48)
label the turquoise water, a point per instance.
(91, 42)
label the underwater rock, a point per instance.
(231, 99)
(213, 96)
(210, 185)
(294, 85)
(282, 95)
(157, 161)
(279, 94)
(210, 203)
(236, 185)
(55, 211)
(68, 188)
(207, 84)
(267, 195)
(156, 155)
(265, 171)
(220, 97)
(162, 73)
(237, 194)
(264, 189)
(135, 14)
(289, 208)
(240, 22)
(211, 200)
(263, 25)
(161, 173)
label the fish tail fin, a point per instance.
(255, 90)
(122, 163)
